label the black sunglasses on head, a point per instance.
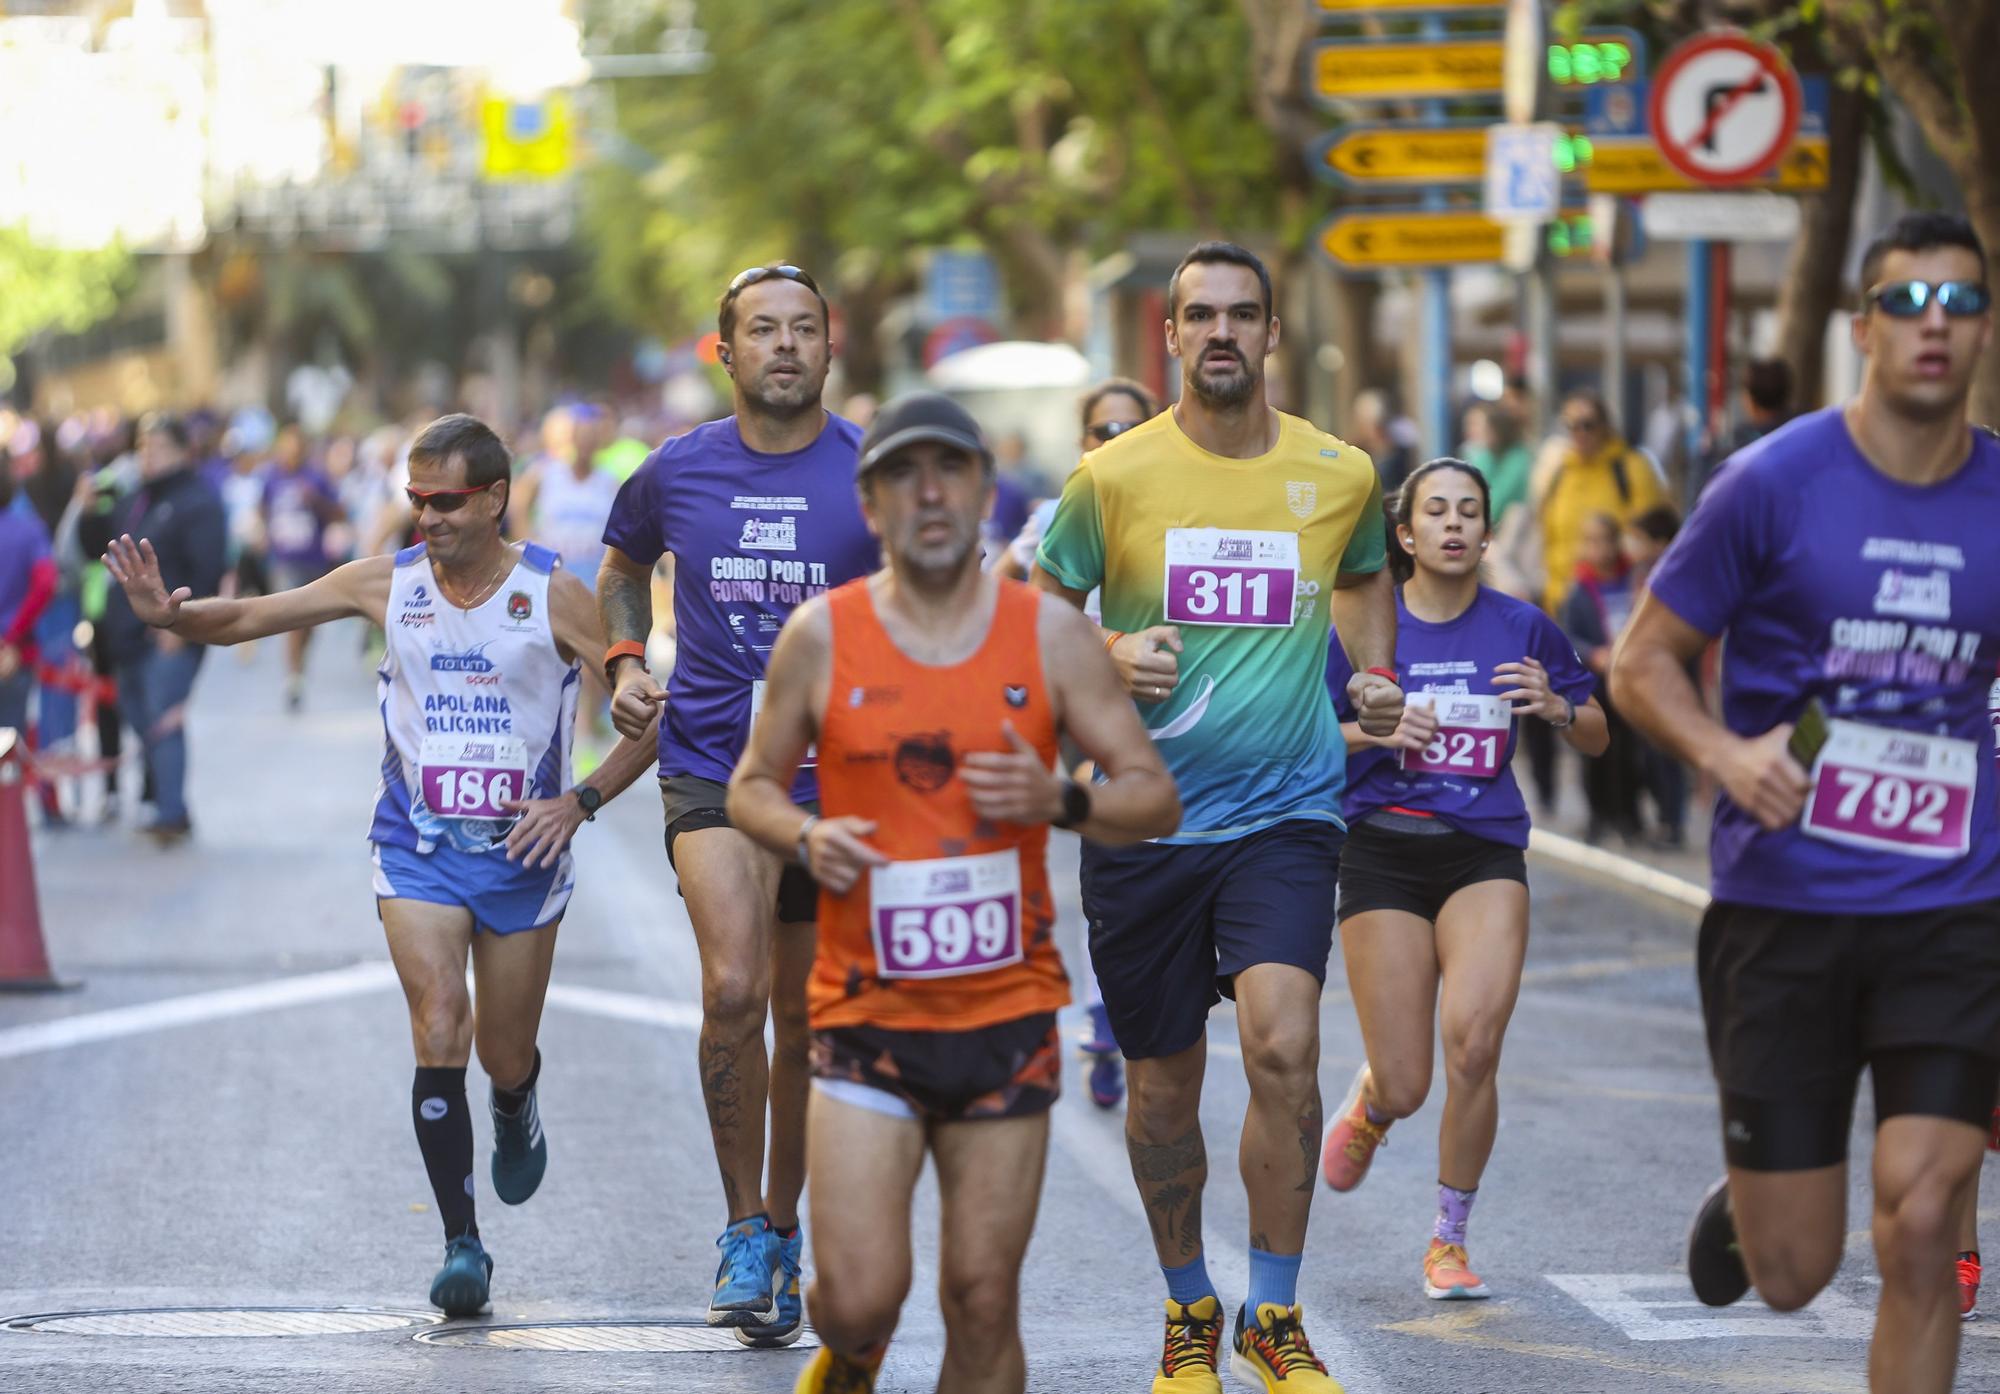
(1909, 299)
(1104, 431)
(784, 272)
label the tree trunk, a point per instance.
(1812, 289)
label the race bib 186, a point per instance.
(1231, 576)
(1895, 791)
(941, 918)
(1471, 737)
(472, 776)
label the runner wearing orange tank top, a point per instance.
(935, 695)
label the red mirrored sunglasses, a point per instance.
(443, 500)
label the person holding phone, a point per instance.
(1434, 880)
(1848, 557)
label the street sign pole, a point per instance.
(1700, 298)
(1437, 364)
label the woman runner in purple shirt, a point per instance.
(1433, 881)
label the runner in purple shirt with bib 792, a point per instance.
(759, 513)
(1849, 559)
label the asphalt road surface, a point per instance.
(219, 1118)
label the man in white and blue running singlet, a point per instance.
(474, 814)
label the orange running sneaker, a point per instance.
(1352, 1140)
(1448, 1275)
(1968, 1286)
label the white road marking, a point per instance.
(627, 1006)
(1228, 1265)
(1667, 886)
(1667, 1311)
(113, 1023)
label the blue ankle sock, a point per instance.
(1100, 1028)
(1189, 1283)
(1273, 1278)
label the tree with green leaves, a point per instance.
(50, 288)
(852, 134)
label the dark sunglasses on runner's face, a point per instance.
(1104, 431)
(1908, 299)
(750, 277)
(443, 500)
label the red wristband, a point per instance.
(1389, 673)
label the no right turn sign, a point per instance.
(1725, 107)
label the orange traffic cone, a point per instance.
(24, 961)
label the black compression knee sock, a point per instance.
(444, 1132)
(512, 1101)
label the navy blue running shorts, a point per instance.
(1171, 924)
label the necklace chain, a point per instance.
(484, 590)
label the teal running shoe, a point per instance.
(791, 1298)
(746, 1281)
(520, 1152)
(461, 1286)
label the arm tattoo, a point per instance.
(625, 604)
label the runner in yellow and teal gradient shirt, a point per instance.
(1226, 536)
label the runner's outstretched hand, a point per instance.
(836, 855)
(1012, 786)
(136, 567)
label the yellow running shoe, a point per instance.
(1448, 1275)
(827, 1373)
(1352, 1140)
(1194, 1344)
(1273, 1354)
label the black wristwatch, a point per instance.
(1075, 805)
(591, 800)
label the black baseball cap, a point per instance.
(915, 417)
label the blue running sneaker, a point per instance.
(746, 1281)
(461, 1286)
(1107, 1074)
(791, 1300)
(520, 1152)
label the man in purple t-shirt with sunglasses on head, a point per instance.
(1848, 557)
(759, 513)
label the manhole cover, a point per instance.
(222, 1321)
(633, 1337)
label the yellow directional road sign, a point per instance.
(1372, 241)
(1409, 154)
(1417, 68)
(1634, 165)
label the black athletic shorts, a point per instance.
(1171, 924)
(1796, 1003)
(1012, 1069)
(1417, 871)
(693, 803)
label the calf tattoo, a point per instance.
(1311, 1123)
(1170, 1177)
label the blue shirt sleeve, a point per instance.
(1553, 650)
(1717, 561)
(637, 525)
